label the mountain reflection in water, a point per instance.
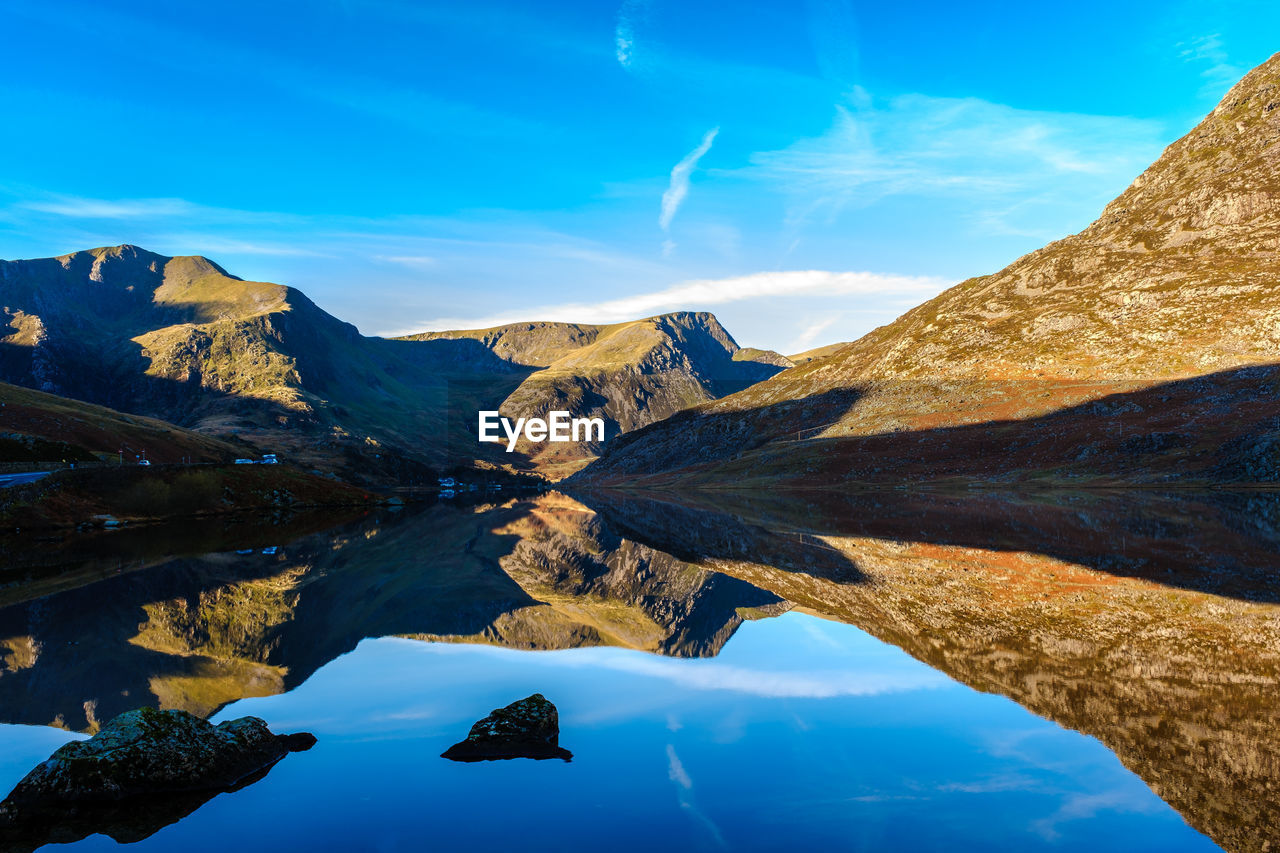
(1149, 622)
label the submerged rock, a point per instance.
(143, 770)
(529, 728)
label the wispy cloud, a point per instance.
(219, 246)
(675, 769)
(624, 32)
(411, 261)
(805, 339)
(411, 241)
(684, 795)
(164, 210)
(1134, 799)
(702, 294)
(678, 188)
(96, 208)
(1219, 73)
(714, 675)
(989, 156)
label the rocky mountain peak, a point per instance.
(1221, 176)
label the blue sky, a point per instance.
(807, 171)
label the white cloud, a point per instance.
(1135, 799)
(704, 294)
(1220, 73)
(805, 339)
(209, 244)
(96, 208)
(145, 210)
(678, 189)
(624, 40)
(675, 769)
(630, 14)
(988, 156)
(411, 261)
(712, 674)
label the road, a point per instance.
(7, 480)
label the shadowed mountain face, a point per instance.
(1150, 623)
(628, 374)
(183, 340)
(1176, 280)
(196, 632)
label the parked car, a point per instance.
(270, 459)
(244, 461)
(144, 461)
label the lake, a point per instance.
(865, 672)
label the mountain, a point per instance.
(39, 427)
(1143, 348)
(183, 340)
(630, 374)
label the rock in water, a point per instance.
(529, 728)
(143, 770)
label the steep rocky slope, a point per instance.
(630, 374)
(1092, 355)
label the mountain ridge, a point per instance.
(181, 339)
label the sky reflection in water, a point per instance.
(801, 732)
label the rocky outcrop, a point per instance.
(529, 728)
(143, 770)
(148, 752)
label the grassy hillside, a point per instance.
(39, 427)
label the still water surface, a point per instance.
(710, 732)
